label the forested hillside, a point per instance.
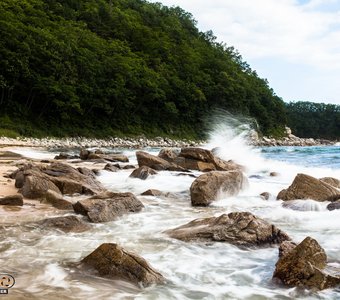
(317, 120)
(104, 67)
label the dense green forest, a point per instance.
(317, 120)
(109, 67)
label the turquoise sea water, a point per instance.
(318, 156)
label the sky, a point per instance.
(294, 44)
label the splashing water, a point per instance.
(40, 261)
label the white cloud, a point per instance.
(295, 44)
(273, 28)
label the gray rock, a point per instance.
(333, 205)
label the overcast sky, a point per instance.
(295, 44)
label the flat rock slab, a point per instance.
(237, 228)
(304, 265)
(112, 261)
(108, 206)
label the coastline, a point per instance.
(142, 142)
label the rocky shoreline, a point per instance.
(73, 188)
(142, 142)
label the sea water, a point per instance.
(43, 262)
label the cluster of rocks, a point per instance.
(81, 142)
(298, 265)
(289, 140)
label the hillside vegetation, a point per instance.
(317, 120)
(110, 67)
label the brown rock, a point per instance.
(142, 172)
(58, 177)
(331, 181)
(66, 224)
(64, 155)
(208, 161)
(308, 187)
(107, 206)
(237, 228)
(112, 261)
(155, 162)
(285, 247)
(274, 174)
(169, 154)
(265, 195)
(84, 154)
(57, 200)
(209, 186)
(109, 157)
(12, 200)
(304, 266)
(111, 168)
(152, 192)
(36, 185)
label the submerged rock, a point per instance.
(303, 205)
(142, 173)
(66, 224)
(108, 206)
(333, 205)
(209, 186)
(12, 200)
(265, 195)
(112, 261)
(308, 187)
(237, 228)
(304, 265)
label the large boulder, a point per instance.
(304, 265)
(204, 160)
(107, 206)
(238, 228)
(193, 158)
(331, 181)
(142, 172)
(65, 224)
(155, 162)
(35, 180)
(112, 261)
(212, 185)
(308, 187)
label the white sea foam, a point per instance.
(194, 271)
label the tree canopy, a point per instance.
(87, 67)
(317, 120)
